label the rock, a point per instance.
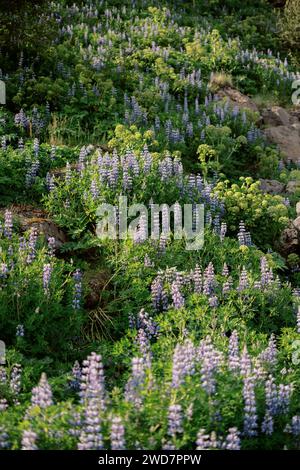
(296, 223)
(96, 281)
(292, 187)
(276, 116)
(271, 186)
(287, 138)
(295, 114)
(290, 240)
(47, 228)
(236, 98)
(29, 217)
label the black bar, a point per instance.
(134, 459)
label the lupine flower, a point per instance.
(263, 270)
(76, 376)
(243, 281)
(267, 426)
(3, 271)
(53, 152)
(50, 182)
(197, 279)
(42, 394)
(156, 292)
(92, 380)
(4, 439)
(175, 418)
(92, 396)
(75, 423)
(145, 322)
(15, 379)
(183, 362)
(8, 224)
(233, 351)
(51, 246)
(250, 416)
(68, 174)
(81, 159)
(77, 277)
(3, 375)
(243, 236)
(94, 189)
(32, 172)
(189, 412)
(206, 441)
(36, 146)
(271, 396)
(295, 425)
(20, 144)
(47, 271)
(208, 380)
(3, 404)
(269, 355)
(210, 360)
(227, 286)
(284, 396)
(20, 331)
(91, 437)
(147, 261)
(177, 297)
(32, 245)
(162, 243)
(22, 245)
(136, 382)
(117, 434)
(225, 271)
(3, 142)
(232, 441)
(245, 363)
(213, 301)
(144, 346)
(209, 280)
(168, 446)
(29, 440)
(143, 229)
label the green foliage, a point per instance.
(138, 81)
(16, 167)
(263, 214)
(289, 26)
(26, 25)
(268, 162)
(49, 320)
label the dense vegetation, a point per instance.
(140, 343)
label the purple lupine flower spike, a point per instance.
(197, 280)
(250, 415)
(117, 434)
(233, 352)
(175, 418)
(232, 441)
(8, 224)
(42, 394)
(177, 297)
(29, 440)
(4, 439)
(136, 382)
(47, 272)
(77, 276)
(92, 397)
